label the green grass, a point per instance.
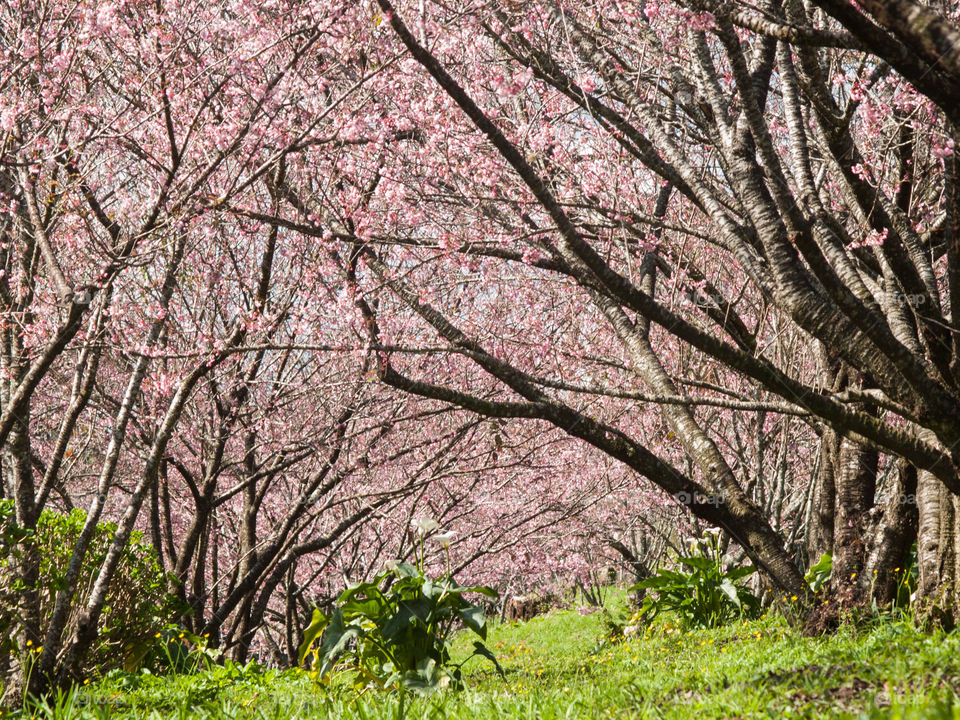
(558, 666)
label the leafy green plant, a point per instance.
(819, 573)
(705, 595)
(12, 544)
(393, 630)
(138, 603)
(178, 651)
(907, 580)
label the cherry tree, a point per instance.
(764, 196)
(129, 312)
(279, 278)
(181, 363)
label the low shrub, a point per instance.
(138, 603)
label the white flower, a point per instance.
(391, 564)
(424, 525)
(712, 531)
(444, 539)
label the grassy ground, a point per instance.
(559, 666)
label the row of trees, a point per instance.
(279, 277)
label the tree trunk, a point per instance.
(937, 553)
(856, 487)
(894, 532)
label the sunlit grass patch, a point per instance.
(562, 665)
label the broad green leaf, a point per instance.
(399, 622)
(699, 563)
(741, 572)
(474, 618)
(728, 589)
(316, 626)
(407, 570)
(481, 589)
(335, 639)
(480, 649)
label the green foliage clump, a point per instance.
(393, 630)
(819, 574)
(703, 596)
(12, 537)
(138, 604)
